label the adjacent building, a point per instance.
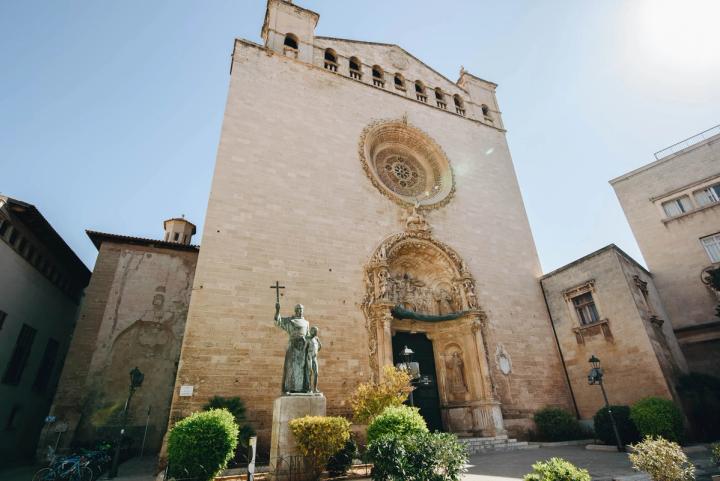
(41, 286)
(133, 316)
(673, 207)
(606, 304)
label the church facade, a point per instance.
(362, 180)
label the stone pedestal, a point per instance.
(285, 458)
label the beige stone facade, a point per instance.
(318, 169)
(133, 316)
(672, 207)
(606, 304)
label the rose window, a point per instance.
(406, 165)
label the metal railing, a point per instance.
(683, 144)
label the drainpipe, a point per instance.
(562, 358)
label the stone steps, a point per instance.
(492, 444)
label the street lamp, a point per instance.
(136, 380)
(596, 377)
(413, 369)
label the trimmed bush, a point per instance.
(370, 399)
(663, 460)
(200, 445)
(419, 457)
(700, 394)
(626, 427)
(655, 416)
(556, 469)
(715, 453)
(397, 420)
(319, 437)
(237, 408)
(554, 424)
(340, 462)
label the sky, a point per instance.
(110, 111)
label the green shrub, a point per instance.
(418, 457)
(370, 399)
(626, 427)
(319, 437)
(397, 420)
(556, 469)
(340, 462)
(663, 460)
(555, 424)
(715, 452)
(200, 445)
(700, 394)
(237, 408)
(655, 416)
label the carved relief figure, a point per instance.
(470, 294)
(455, 368)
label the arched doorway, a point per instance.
(418, 287)
(425, 397)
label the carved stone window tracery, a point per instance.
(406, 165)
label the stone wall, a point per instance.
(134, 315)
(638, 350)
(672, 247)
(290, 201)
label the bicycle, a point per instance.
(72, 468)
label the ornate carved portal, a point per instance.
(420, 274)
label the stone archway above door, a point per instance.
(420, 274)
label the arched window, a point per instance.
(440, 98)
(399, 82)
(486, 112)
(420, 91)
(331, 60)
(378, 76)
(459, 104)
(290, 45)
(355, 68)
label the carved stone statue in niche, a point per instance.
(444, 301)
(470, 294)
(455, 368)
(382, 283)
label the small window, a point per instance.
(440, 98)
(331, 60)
(459, 104)
(708, 195)
(176, 237)
(20, 356)
(4, 224)
(378, 76)
(30, 253)
(585, 308)
(486, 111)
(355, 68)
(677, 206)
(23, 244)
(291, 41)
(47, 364)
(11, 422)
(711, 244)
(399, 82)
(13, 236)
(420, 91)
(3, 315)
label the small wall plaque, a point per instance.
(186, 390)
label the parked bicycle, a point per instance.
(71, 468)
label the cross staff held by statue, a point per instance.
(277, 288)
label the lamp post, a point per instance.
(136, 379)
(596, 377)
(413, 368)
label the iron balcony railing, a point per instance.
(683, 144)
